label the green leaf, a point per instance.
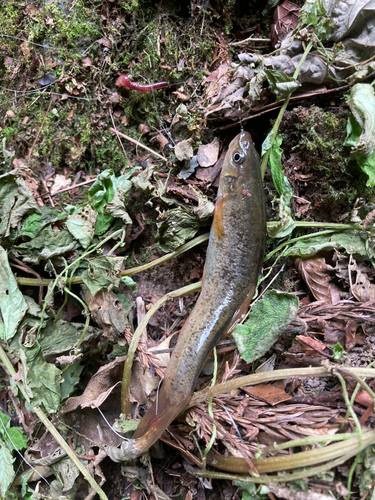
(17, 439)
(14, 438)
(41, 379)
(128, 281)
(12, 304)
(276, 166)
(46, 245)
(354, 243)
(280, 83)
(269, 317)
(338, 351)
(71, 378)
(82, 225)
(16, 201)
(62, 336)
(36, 222)
(361, 128)
(7, 473)
(177, 227)
(102, 273)
(285, 225)
(5, 156)
(103, 191)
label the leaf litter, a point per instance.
(80, 245)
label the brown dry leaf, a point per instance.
(311, 347)
(219, 77)
(210, 174)
(363, 290)
(208, 153)
(60, 182)
(285, 18)
(184, 150)
(269, 393)
(105, 42)
(350, 334)
(108, 312)
(99, 387)
(315, 274)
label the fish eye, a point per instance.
(238, 157)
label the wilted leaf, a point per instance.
(269, 317)
(12, 303)
(361, 128)
(7, 473)
(16, 201)
(82, 225)
(280, 83)
(37, 221)
(41, 379)
(315, 274)
(285, 225)
(70, 379)
(177, 227)
(352, 241)
(112, 312)
(276, 166)
(103, 191)
(46, 245)
(102, 273)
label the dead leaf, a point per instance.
(99, 387)
(87, 62)
(60, 182)
(208, 153)
(105, 42)
(211, 174)
(363, 290)
(269, 393)
(315, 274)
(285, 19)
(310, 346)
(350, 334)
(184, 150)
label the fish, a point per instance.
(233, 262)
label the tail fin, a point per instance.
(154, 424)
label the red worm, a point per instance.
(124, 81)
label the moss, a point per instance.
(318, 165)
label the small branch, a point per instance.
(137, 143)
(40, 128)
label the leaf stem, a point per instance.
(125, 399)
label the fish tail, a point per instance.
(156, 420)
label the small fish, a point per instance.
(233, 262)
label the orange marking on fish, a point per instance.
(218, 217)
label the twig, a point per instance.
(247, 40)
(40, 128)
(137, 143)
(74, 186)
